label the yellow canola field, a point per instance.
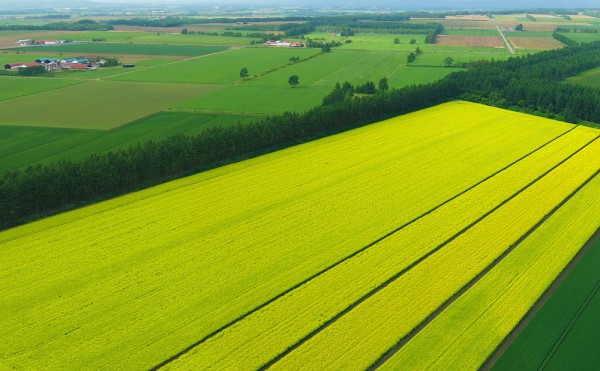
(363, 335)
(265, 334)
(470, 329)
(129, 282)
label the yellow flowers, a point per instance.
(247, 260)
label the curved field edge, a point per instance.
(147, 249)
(544, 334)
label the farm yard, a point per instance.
(536, 174)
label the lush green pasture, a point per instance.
(20, 86)
(563, 334)
(192, 255)
(221, 68)
(271, 93)
(24, 146)
(125, 48)
(588, 78)
(584, 37)
(95, 104)
(433, 58)
(366, 41)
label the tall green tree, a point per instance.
(294, 80)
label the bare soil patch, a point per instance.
(485, 41)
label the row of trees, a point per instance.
(530, 83)
(82, 25)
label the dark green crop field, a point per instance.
(564, 334)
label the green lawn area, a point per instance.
(584, 37)
(13, 86)
(432, 58)
(564, 334)
(367, 41)
(126, 48)
(96, 104)
(272, 94)
(24, 146)
(587, 78)
(221, 68)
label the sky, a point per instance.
(409, 4)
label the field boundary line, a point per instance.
(562, 276)
(406, 270)
(386, 356)
(333, 265)
(230, 49)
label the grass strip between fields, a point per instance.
(478, 321)
(334, 281)
(367, 330)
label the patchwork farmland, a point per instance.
(394, 245)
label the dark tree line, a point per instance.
(83, 25)
(529, 83)
(564, 39)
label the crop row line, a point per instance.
(333, 265)
(387, 355)
(412, 266)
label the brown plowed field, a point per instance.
(487, 41)
(538, 43)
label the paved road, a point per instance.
(510, 49)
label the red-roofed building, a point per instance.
(15, 66)
(76, 66)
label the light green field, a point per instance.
(271, 93)
(193, 255)
(366, 41)
(96, 104)
(584, 37)
(25, 146)
(20, 86)
(221, 68)
(433, 58)
(528, 34)
(588, 78)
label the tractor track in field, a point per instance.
(477, 278)
(515, 332)
(330, 267)
(432, 316)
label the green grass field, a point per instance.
(24, 146)
(584, 37)
(337, 214)
(563, 334)
(126, 48)
(221, 68)
(13, 87)
(588, 78)
(271, 93)
(97, 105)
